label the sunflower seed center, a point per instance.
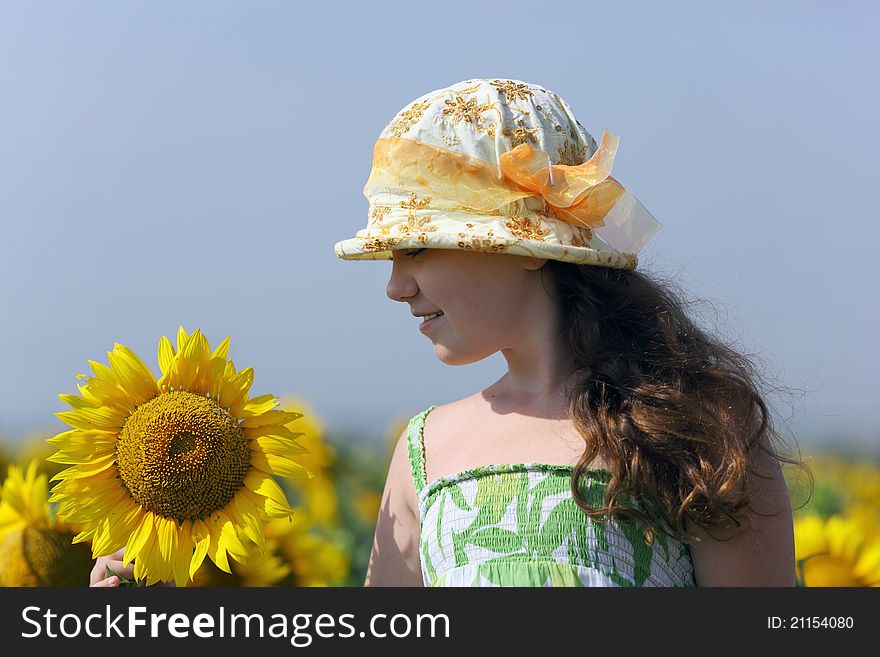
(182, 456)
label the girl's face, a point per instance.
(483, 297)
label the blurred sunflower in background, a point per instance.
(32, 446)
(177, 469)
(35, 548)
(316, 545)
(317, 496)
(315, 554)
(837, 536)
(838, 551)
(367, 500)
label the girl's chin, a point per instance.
(450, 357)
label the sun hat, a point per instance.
(500, 166)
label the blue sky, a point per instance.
(165, 163)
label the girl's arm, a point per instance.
(763, 556)
(395, 560)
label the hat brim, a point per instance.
(358, 248)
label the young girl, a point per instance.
(624, 446)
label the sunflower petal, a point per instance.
(202, 358)
(80, 457)
(102, 492)
(166, 354)
(145, 563)
(242, 510)
(187, 361)
(222, 350)
(231, 541)
(103, 372)
(217, 366)
(79, 402)
(259, 405)
(139, 537)
(109, 394)
(277, 430)
(274, 502)
(183, 555)
(270, 417)
(182, 337)
(202, 538)
(279, 446)
(216, 549)
(71, 510)
(102, 419)
(85, 535)
(87, 469)
(166, 532)
(278, 465)
(82, 447)
(135, 377)
(236, 388)
(108, 538)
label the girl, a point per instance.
(624, 446)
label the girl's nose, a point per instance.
(401, 285)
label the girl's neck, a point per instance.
(534, 397)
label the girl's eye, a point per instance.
(415, 253)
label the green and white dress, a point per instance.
(518, 525)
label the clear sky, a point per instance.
(194, 162)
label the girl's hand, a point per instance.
(113, 561)
(100, 576)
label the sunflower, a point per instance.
(316, 555)
(177, 469)
(837, 551)
(33, 446)
(35, 548)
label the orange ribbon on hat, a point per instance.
(581, 194)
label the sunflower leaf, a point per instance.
(123, 581)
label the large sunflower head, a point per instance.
(174, 469)
(35, 549)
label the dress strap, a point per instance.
(416, 447)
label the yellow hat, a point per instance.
(501, 166)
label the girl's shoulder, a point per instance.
(438, 427)
(447, 416)
(471, 432)
(439, 422)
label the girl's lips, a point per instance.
(428, 323)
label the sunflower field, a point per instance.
(205, 485)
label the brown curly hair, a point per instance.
(675, 412)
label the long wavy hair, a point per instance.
(675, 412)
